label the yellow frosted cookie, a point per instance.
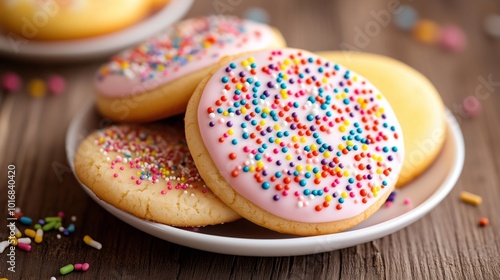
(155, 79)
(415, 100)
(294, 143)
(149, 172)
(69, 19)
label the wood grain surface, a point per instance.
(445, 244)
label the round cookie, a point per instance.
(69, 19)
(156, 79)
(413, 98)
(149, 172)
(293, 142)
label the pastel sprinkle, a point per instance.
(66, 269)
(37, 88)
(11, 82)
(470, 198)
(91, 242)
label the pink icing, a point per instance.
(303, 138)
(186, 47)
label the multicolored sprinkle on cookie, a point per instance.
(158, 156)
(186, 47)
(301, 137)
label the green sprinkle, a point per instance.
(66, 269)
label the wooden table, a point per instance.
(445, 244)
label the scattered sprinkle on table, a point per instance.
(66, 269)
(37, 88)
(472, 106)
(484, 222)
(470, 198)
(92, 243)
(11, 82)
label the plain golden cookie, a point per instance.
(415, 100)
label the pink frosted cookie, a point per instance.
(149, 172)
(293, 142)
(156, 79)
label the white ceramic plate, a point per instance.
(245, 238)
(101, 46)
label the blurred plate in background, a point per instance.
(96, 47)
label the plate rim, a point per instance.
(103, 45)
(281, 246)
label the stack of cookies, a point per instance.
(219, 120)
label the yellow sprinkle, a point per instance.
(346, 173)
(101, 140)
(260, 163)
(350, 143)
(262, 122)
(379, 96)
(239, 86)
(341, 146)
(326, 154)
(295, 138)
(252, 168)
(344, 95)
(346, 122)
(379, 171)
(286, 61)
(282, 67)
(470, 198)
(251, 59)
(243, 110)
(161, 67)
(30, 233)
(206, 44)
(288, 157)
(324, 80)
(364, 147)
(364, 106)
(342, 128)
(296, 61)
(230, 132)
(244, 63)
(309, 168)
(39, 235)
(344, 194)
(226, 113)
(302, 140)
(124, 64)
(328, 198)
(285, 77)
(299, 167)
(317, 175)
(338, 96)
(277, 141)
(337, 169)
(266, 110)
(355, 78)
(313, 147)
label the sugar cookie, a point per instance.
(149, 172)
(413, 98)
(155, 79)
(293, 142)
